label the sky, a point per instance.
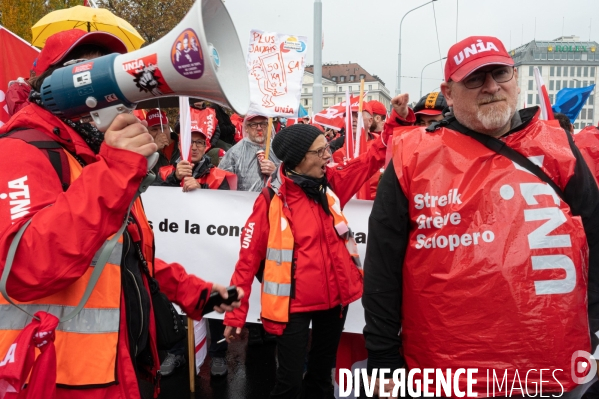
(367, 31)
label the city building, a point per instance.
(336, 78)
(564, 62)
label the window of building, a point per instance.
(305, 89)
(350, 89)
(326, 89)
(558, 85)
(570, 56)
(369, 98)
(334, 78)
(543, 56)
(305, 101)
(592, 72)
(531, 71)
(565, 84)
(583, 114)
(362, 76)
(578, 83)
(342, 79)
(537, 56)
(565, 71)
(550, 56)
(559, 71)
(585, 72)
(576, 125)
(369, 87)
(537, 98)
(578, 71)
(326, 101)
(551, 98)
(585, 83)
(590, 100)
(529, 100)
(530, 85)
(572, 71)
(552, 71)
(583, 57)
(352, 78)
(577, 56)
(551, 84)
(540, 69)
(590, 113)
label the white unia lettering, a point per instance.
(248, 232)
(19, 195)
(10, 355)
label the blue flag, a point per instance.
(570, 101)
(302, 112)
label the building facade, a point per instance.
(564, 62)
(336, 78)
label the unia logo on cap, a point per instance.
(476, 48)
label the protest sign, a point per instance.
(201, 230)
(276, 68)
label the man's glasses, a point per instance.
(254, 125)
(198, 143)
(500, 75)
(321, 151)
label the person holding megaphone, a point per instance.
(70, 209)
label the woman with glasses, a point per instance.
(298, 243)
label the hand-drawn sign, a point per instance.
(186, 55)
(276, 69)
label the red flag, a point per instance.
(204, 121)
(332, 117)
(546, 111)
(16, 60)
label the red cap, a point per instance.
(365, 107)
(155, 117)
(377, 107)
(472, 53)
(60, 44)
(221, 153)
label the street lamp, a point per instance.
(421, 72)
(398, 86)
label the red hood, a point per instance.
(17, 97)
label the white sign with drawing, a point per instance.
(276, 68)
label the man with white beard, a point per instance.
(482, 249)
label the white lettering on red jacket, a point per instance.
(18, 192)
(10, 355)
(248, 232)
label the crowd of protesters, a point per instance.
(303, 250)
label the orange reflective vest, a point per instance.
(278, 268)
(86, 346)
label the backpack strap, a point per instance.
(51, 148)
(268, 193)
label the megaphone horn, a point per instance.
(201, 57)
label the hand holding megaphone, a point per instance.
(126, 132)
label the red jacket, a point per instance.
(60, 242)
(325, 275)
(587, 141)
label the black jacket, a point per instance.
(201, 169)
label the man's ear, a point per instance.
(446, 89)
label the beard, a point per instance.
(495, 117)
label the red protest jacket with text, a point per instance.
(495, 270)
(324, 273)
(69, 227)
(587, 141)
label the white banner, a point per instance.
(201, 231)
(276, 68)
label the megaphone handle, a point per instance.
(103, 119)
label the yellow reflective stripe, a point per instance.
(279, 255)
(88, 321)
(277, 289)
